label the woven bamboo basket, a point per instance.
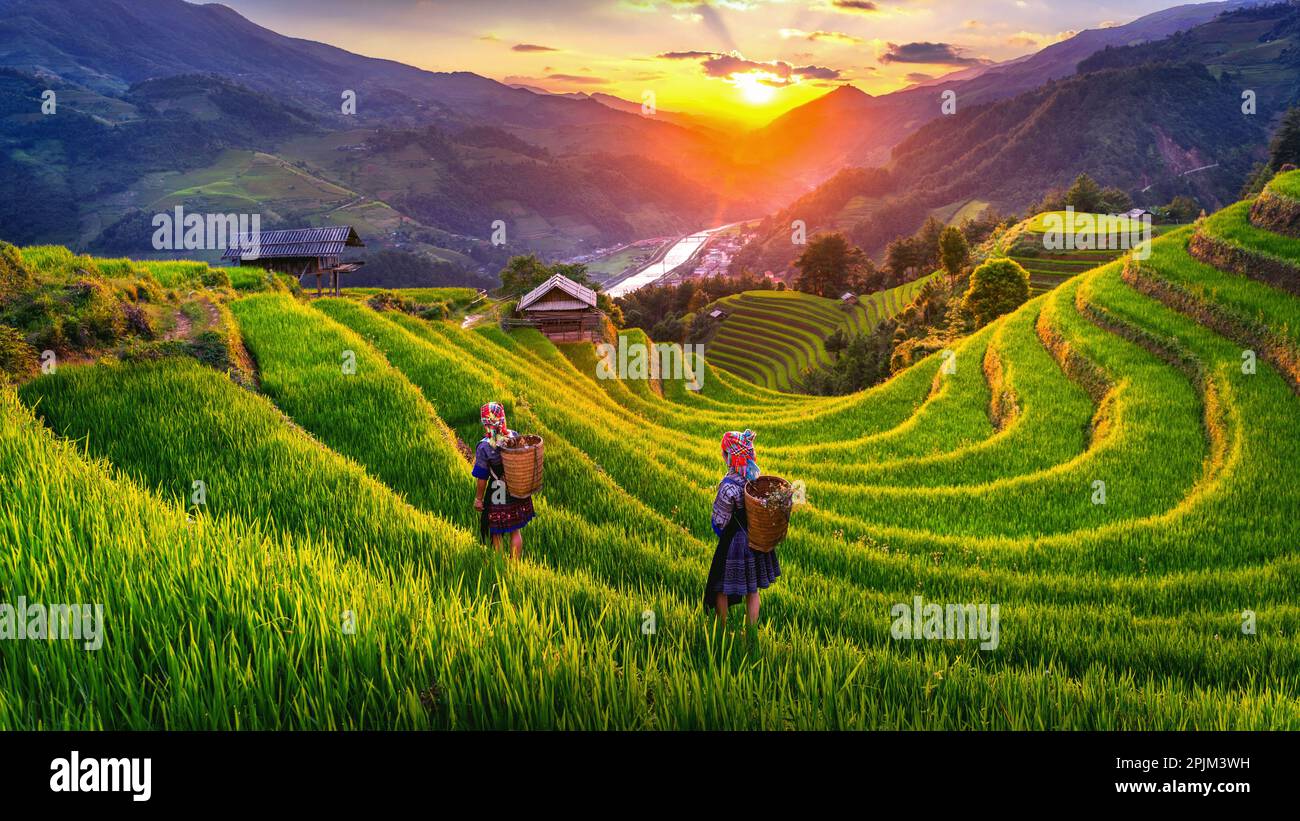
(522, 460)
(768, 523)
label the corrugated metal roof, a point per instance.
(294, 242)
(585, 295)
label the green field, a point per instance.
(1098, 464)
(772, 337)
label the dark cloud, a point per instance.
(687, 55)
(529, 47)
(855, 6)
(918, 77)
(725, 65)
(817, 72)
(934, 54)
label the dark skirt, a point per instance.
(507, 518)
(738, 569)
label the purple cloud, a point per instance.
(935, 54)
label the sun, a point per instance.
(752, 88)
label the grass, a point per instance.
(338, 490)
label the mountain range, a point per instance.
(1155, 119)
(164, 103)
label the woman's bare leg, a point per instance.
(517, 544)
(496, 542)
(720, 605)
(751, 607)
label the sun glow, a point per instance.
(753, 89)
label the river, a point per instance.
(680, 252)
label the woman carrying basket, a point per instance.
(502, 513)
(738, 571)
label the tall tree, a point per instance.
(953, 250)
(901, 258)
(1285, 147)
(1085, 194)
(827, 264)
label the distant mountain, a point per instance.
(1154, 119)
(109, 45)
(835, 130)
(843, 128)
(159, 98)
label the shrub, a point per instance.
(438, 310)
(215, 278)
(97, 314)
(393, 301)
(15, 278)
(18, 360)
(137, 321)
(996, 287)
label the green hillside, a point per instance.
(1101, 464)
(772, 337)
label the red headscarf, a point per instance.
(493, 417)
(738, 450)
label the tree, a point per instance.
(1085, 195)
(953, 250)
(702, 328)
(827, 264)
(835, 342)
(1285, 147)
(996, 287)
(1115, 200)
(1182, 208)
(901, 257)
(669, 329)
(697, 300)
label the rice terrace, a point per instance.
(386, 460)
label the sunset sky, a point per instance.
(747, 60)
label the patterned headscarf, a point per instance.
(738, 452)
(493, 417)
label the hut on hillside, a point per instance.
(848, 299)
(299, 252)
(718, 314)
(563, 310)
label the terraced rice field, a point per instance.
(1049, 268)
(332, 579)
(771, 337)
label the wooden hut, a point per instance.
(299, 252)
(563, 310)
(848, 299)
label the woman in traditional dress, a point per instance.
(738, 571)
(502, 513)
